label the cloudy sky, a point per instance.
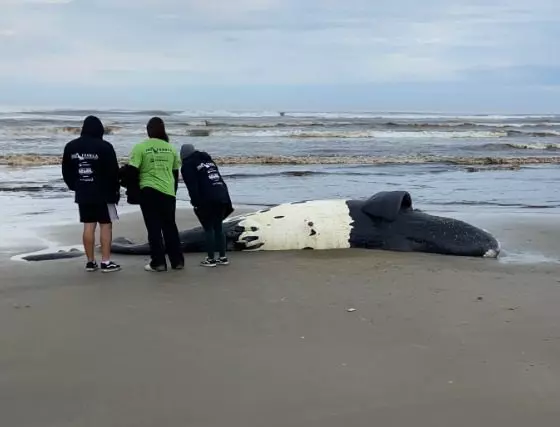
(437, 55)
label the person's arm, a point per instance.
(136, 157)
(112, 170)
(190, 178)
(68, 174)
(176, 167)
(176, 179)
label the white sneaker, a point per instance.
(161, 268)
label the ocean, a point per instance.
(459, 165)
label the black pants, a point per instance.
(211, 218)
(158, 210)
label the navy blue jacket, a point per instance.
(90, 167)
(204, 182)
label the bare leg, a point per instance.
(88, 239)
(106, 236)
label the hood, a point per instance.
(187, 150)
(191, 154)
(92, 127)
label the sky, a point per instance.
(321, 55)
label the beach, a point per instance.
(290, 338)
(460, 165)
(313, 338)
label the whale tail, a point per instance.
(122, 245)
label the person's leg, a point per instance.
(105, 236)
(88, 239)
(149, 204)
(171, 232)
(206, 220)
(107, 214)
(219, 235)
(88, 218)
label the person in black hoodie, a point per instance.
(210, 199)
(90, 169)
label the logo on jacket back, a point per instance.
(206, 165)
(85, 170)
(84, 156)
(158, 154)
(211, 171)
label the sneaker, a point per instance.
(91, 266)
(208, 262)
(178, 267)
(222, 261)
(158, 269)
(110, 266)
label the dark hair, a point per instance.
(156, 129)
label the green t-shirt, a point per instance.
(156, 159)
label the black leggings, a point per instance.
(158, 210)
(211, 218)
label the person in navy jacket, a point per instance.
(210, 199)
(90, 169)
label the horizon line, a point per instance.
(6, 109)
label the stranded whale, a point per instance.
(384, 221)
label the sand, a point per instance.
(271, 341)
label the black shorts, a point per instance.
(99, 212)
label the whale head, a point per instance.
(423, 232)
(391, 223)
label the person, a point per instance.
(91, 170)
(157, 165)
(210, 199)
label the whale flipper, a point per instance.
(387, 205)
(49, 254)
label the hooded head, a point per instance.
(186, 150)
(156, 129)
(92, 127)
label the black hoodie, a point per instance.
(204, 182)
(90, 167)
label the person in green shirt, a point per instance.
(158, 167)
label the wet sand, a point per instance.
(270, 341)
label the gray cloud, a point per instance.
(275, 42)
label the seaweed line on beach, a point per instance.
(21, 160)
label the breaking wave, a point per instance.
(372, 124)
(421, 132)
(519, 146)
(515, 133)
(75, 130)
(30, 130)
(357, 134)
(338, 129)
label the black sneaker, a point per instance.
(108, 267)
(178, 267)
(91, 266)
(222, 261)
(208, 262)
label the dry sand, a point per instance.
(269, 341)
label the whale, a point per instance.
(384, 221)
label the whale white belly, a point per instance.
(317, 224)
